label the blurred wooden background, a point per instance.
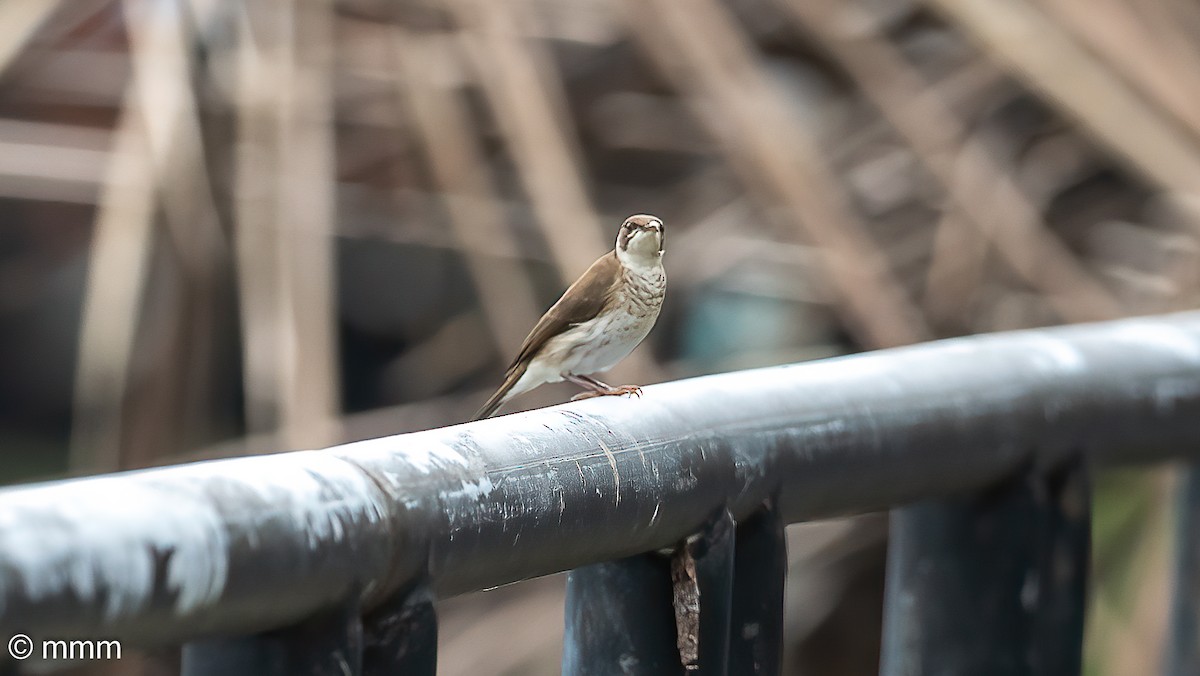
(233, 227)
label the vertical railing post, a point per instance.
(991, 585)
(401, 636)
(329, 644)
(619, 619)
(715, 606)
(654, 613)
(759, 572)
(1064, 562)
(1183, 646)
(398, 638)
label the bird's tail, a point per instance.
(497, 400)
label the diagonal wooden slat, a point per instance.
(19, 21)
(697, 46)
(460, 167)
(1041, 54)
(284, 208)
(117, 269)
(518, 82)
(982, 193)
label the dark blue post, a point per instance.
(619, 619)
(714, 606)
(759, 572)
(401, 636)
(654, 613)
(992, 585)
(327, 645)
(1183, 648)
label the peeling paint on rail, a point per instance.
(249, 544)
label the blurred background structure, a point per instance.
(243, 227)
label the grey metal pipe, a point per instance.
(248, 544)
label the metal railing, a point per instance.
(328, 561)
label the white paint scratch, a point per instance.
(104, 541)
(106, 537)
(612, 462)
(476, 490)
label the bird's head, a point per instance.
(641, 240)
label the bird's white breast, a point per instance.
(598, 344)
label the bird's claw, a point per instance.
(627, 389)
(610, 392)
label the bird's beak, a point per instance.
(657, 227)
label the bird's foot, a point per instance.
(626, 389)
(610, 392)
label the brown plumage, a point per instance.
(610, 308)
(582, 301)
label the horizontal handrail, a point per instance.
(248, 544)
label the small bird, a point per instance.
(598, 320)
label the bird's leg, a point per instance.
(596, 383)
(594, 387)
(597, 388)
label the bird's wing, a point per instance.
(581, 302)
